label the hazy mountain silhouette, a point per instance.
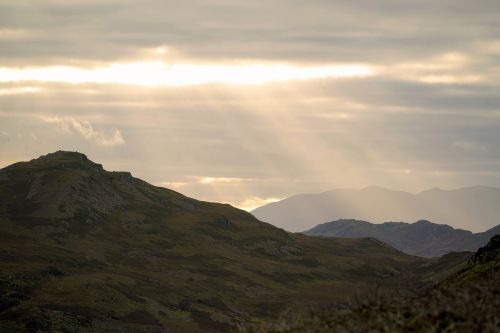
(473, 208)
(87, 250)
(421, 238)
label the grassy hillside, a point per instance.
(467, 300)
(87, 250)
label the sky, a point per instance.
(248, 102)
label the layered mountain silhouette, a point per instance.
(83, 249)
(421, 238)
(473, 208)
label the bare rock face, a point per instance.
(64, 185)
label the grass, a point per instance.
(467, 300)
(97, 251)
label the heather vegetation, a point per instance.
(468, 300)
(87, 250)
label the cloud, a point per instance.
(254, 202)
(115, 139)
(87, 131)
(427, 116)
(15, 34)
(379, 32)
(219, 180)
(159, 73)
(18, 90)
(224, 185)
(173, 185)
(469, 146)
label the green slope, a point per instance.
(467, 300)
(87, 250)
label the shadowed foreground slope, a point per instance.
(87, 250)
(467, 301)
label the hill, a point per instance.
(472, 208)
(83, 249)
(421, 238)
(465, 301)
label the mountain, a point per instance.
(473, 208)
(465, 301)
(421, 238)
(83, 249)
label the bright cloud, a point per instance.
(156, 73)
(220, 180)
(18, 90)
(254, 202)
(87, 131)
(277, 98)
(6, 34)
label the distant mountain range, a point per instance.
(473, 208)
(421, 238)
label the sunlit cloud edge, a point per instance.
(156, 73)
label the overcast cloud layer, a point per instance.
(426, 114)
